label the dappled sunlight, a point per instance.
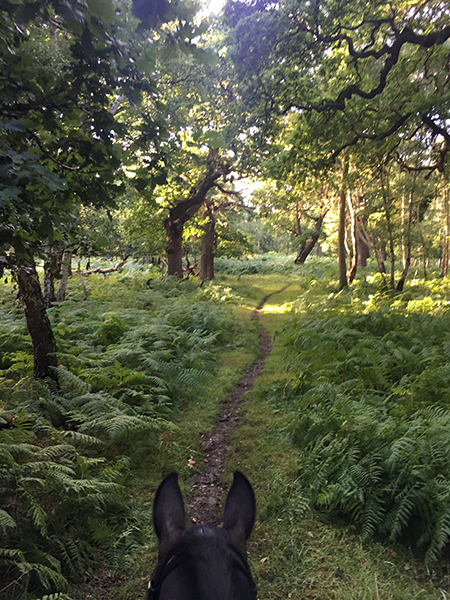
(277, 309)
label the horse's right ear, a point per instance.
(240, 511)
(168, 511)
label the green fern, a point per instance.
(123, 374)
(369, 404)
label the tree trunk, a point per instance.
(306, 249)
(297, 221)
(341, 241)
(181, 213)
(363, 248)
(44, 344)
(353, 258)
(362, 243)
(422, 241)
(369, 243)
(401, 282)
(390, 236)
(208, 243)
(445, 257)
(382, 255)
(66, 270)
(174, 247)
(298, 233)
(50, 268)
(404, 236)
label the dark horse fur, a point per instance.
(203, 562)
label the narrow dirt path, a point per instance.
(207, 499)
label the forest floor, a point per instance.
(208, 491)
(295, 552)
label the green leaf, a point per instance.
(214, 139)
(102, 9)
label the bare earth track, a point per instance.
(208, 492)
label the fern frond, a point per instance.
(6, 521)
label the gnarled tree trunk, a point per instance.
(42, 338)
(174, 247)
(181, 213)
(306, 249)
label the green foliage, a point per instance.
(130, 358)
(370, 404)
(232, 243)
(53, 496)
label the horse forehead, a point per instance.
(206, 532)
(210, 565)
(208, 568)
(208, 545)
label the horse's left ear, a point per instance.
(168, 512)
(240, 511)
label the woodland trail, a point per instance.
(207, 499)
(208, 493)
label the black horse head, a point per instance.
(203, 562)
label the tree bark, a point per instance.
(341, 241)
(50, 268)
(390, 235)
(353, 258)
(382, 255)
(363, 248)
(42, 338)
(444, 260)
(422, 241)
(404, 236)
(181, 213)
(208, 243)
(297, 222)
(298, 233)
(66, 270)
(401, 281)
(306, 249)
(174, 247)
